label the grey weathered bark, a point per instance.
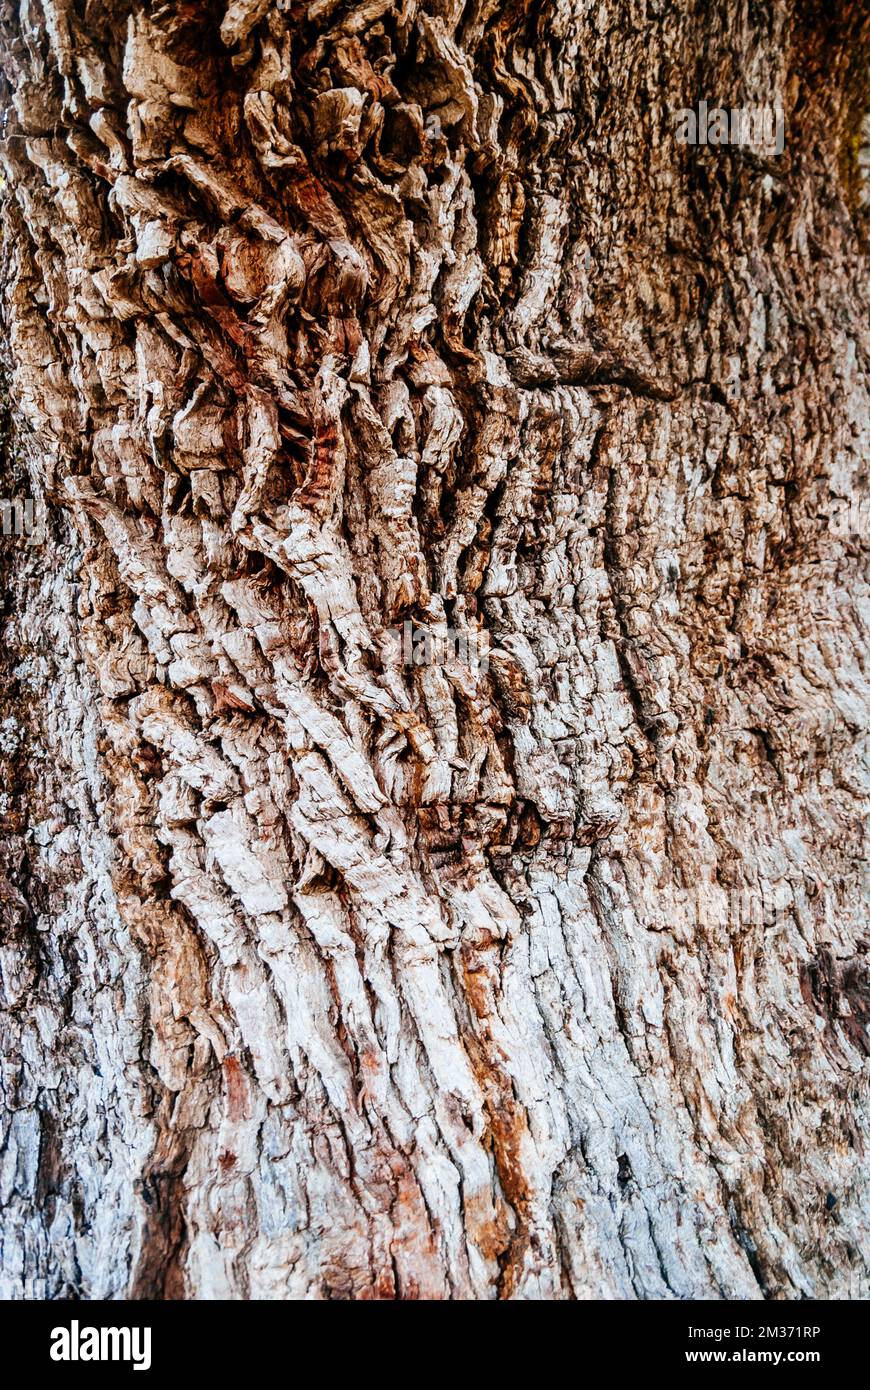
(328, 975)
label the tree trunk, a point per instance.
(436, 725)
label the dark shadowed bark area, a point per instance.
(523, 954)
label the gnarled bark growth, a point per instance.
(328, 975)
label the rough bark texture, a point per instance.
(330, 976)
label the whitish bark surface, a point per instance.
(329, 976)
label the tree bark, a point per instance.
(534, 965)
